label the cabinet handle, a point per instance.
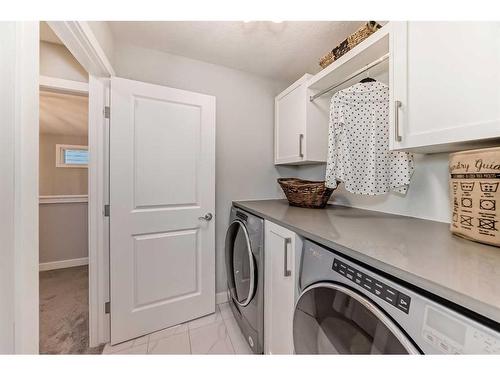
(397, 136)
(286, 271)
(301, 137)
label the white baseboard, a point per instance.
(221, 297)
(64, 264)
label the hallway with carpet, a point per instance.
(64, 312)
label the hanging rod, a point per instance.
(357, 73)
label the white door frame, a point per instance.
(19, 186)
(99, 320)
(78, 38)
(21, 109)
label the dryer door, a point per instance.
(240, 264)
(332, 319)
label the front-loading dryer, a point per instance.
(346, 307)
(244, 252)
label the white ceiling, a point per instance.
(283, 51)
(63, 114)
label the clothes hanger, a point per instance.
(367, 79)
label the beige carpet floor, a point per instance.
(64, 314)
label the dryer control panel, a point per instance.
(374, 286)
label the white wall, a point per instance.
(104, 36)
(63, 231)
(56, 180)
(427, 197)
(245, 115)
(57, 61)
(62, 223)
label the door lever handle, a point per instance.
(208, 216)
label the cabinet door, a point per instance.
(281, 251)
(290, 120)
(446, 76)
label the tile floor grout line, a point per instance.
(205, 325)
(189, 339)
(189, 330)
(229, 336)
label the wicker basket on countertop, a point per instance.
(304, 193)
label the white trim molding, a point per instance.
(78, 37)
(51, 199)
(98, 190)
(63, 85)
(67, 263)
(19, 70)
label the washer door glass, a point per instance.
(240, 264)
(332, 319)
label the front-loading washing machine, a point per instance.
(244, 252)
(346, 307)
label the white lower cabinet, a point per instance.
(282, 255)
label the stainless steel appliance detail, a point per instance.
(346, 308)
(245, 274)
(347, 322)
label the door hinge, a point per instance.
(106, 210)
(107, 307)
(107, 112)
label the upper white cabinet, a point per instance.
(300, 127)
(444, 79)
(301, 124)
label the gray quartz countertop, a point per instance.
(421, 252)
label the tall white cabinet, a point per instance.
(444, 80)
(282, 254)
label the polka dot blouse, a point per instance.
(358, 148)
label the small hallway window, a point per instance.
(72, 156)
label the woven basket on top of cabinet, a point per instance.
(305, 193)
(349, 43)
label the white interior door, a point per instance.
(162, 184)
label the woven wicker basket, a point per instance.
(352, 41)
(304, 193)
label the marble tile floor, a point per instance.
(218, 333)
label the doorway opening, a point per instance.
(63, 204)
(63, 223)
